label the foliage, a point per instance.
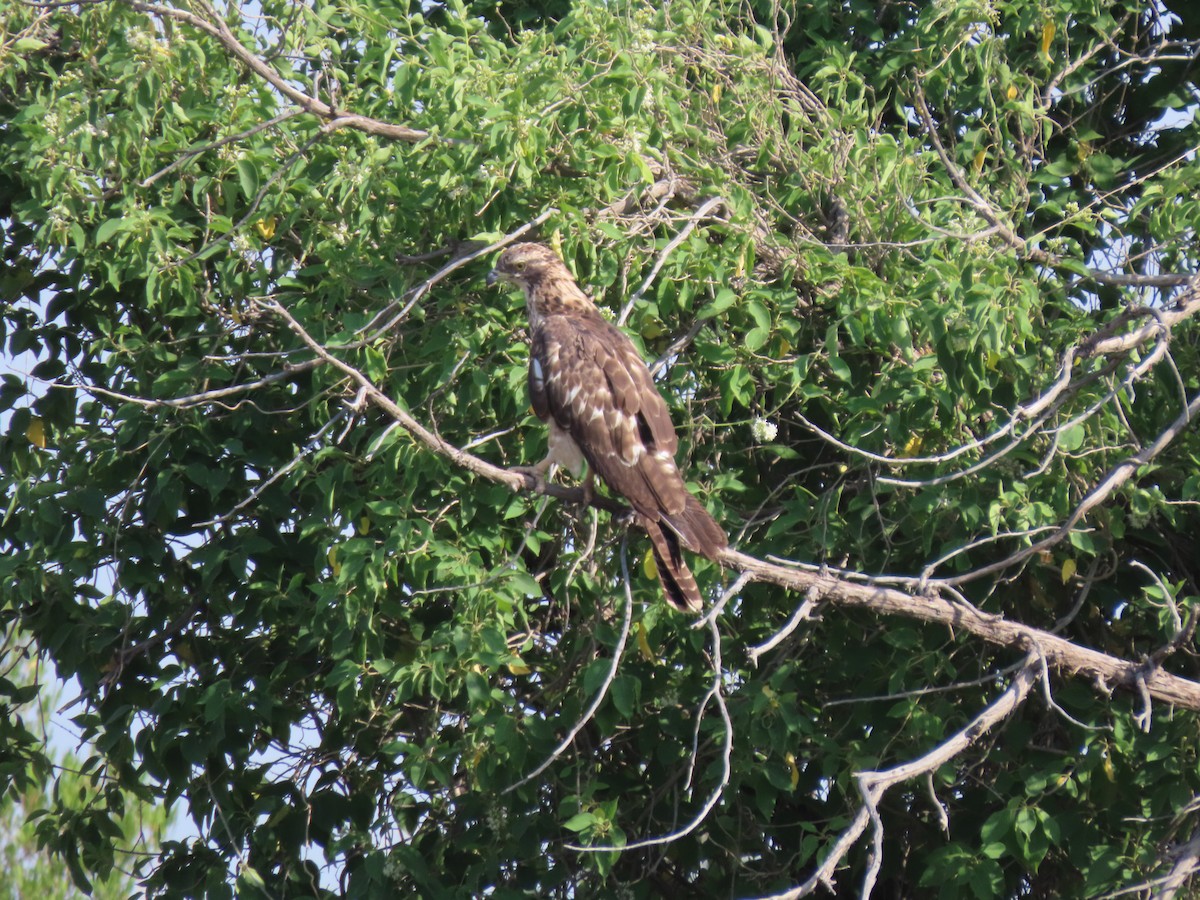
(338, 648)
(80, 787)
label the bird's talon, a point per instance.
(534, 478)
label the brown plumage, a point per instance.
(587, 380)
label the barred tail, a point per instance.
(698, 530)
(678, 584)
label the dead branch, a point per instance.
(212, 24)
(820, 585)
(1062, 655)
(873, 784)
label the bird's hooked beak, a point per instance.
(492, 277)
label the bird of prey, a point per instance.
(590, 384)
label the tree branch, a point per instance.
(215, 26)
(873, 784)
(1104, 670)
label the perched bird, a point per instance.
(587, 380)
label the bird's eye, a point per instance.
(519, 265)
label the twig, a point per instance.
(719, 606)
(1049, 696)
(676, 346)
(938, 806)
(204, 148)
(603, 691)
(990, 215)
(1145, 718)
(873, 784)
(803, 611)
(981, 206)
(694, 219)
(716, 693)
(415, 294)
(288, 371)
(275, 476)
(1176, 621)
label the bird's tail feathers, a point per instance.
(678, 584)
(698, 530)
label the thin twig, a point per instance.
(412, 296)
(803, 611)
(717, 694)
(873, 784)
(719, 606)
(694, 219)
(604, 686)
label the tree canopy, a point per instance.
(919, 285)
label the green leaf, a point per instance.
(580, 822)
(108, 230)
(724, 300)
(625, 692)
(248, 178)
(1071, 439)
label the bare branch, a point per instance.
(726, 596)
(205, 397)
(1061, 654)
(873, 784)
(1102, 669)
(215, 26)
(618, 651)
(1106, 342)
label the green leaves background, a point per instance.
(337, 659)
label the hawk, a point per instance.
(590, 384)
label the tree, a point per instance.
(920, 281)
(34, 759)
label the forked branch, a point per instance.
(873, 784)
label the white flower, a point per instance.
(763, 430)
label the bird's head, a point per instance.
(525, 265)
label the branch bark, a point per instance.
(1103, 670)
